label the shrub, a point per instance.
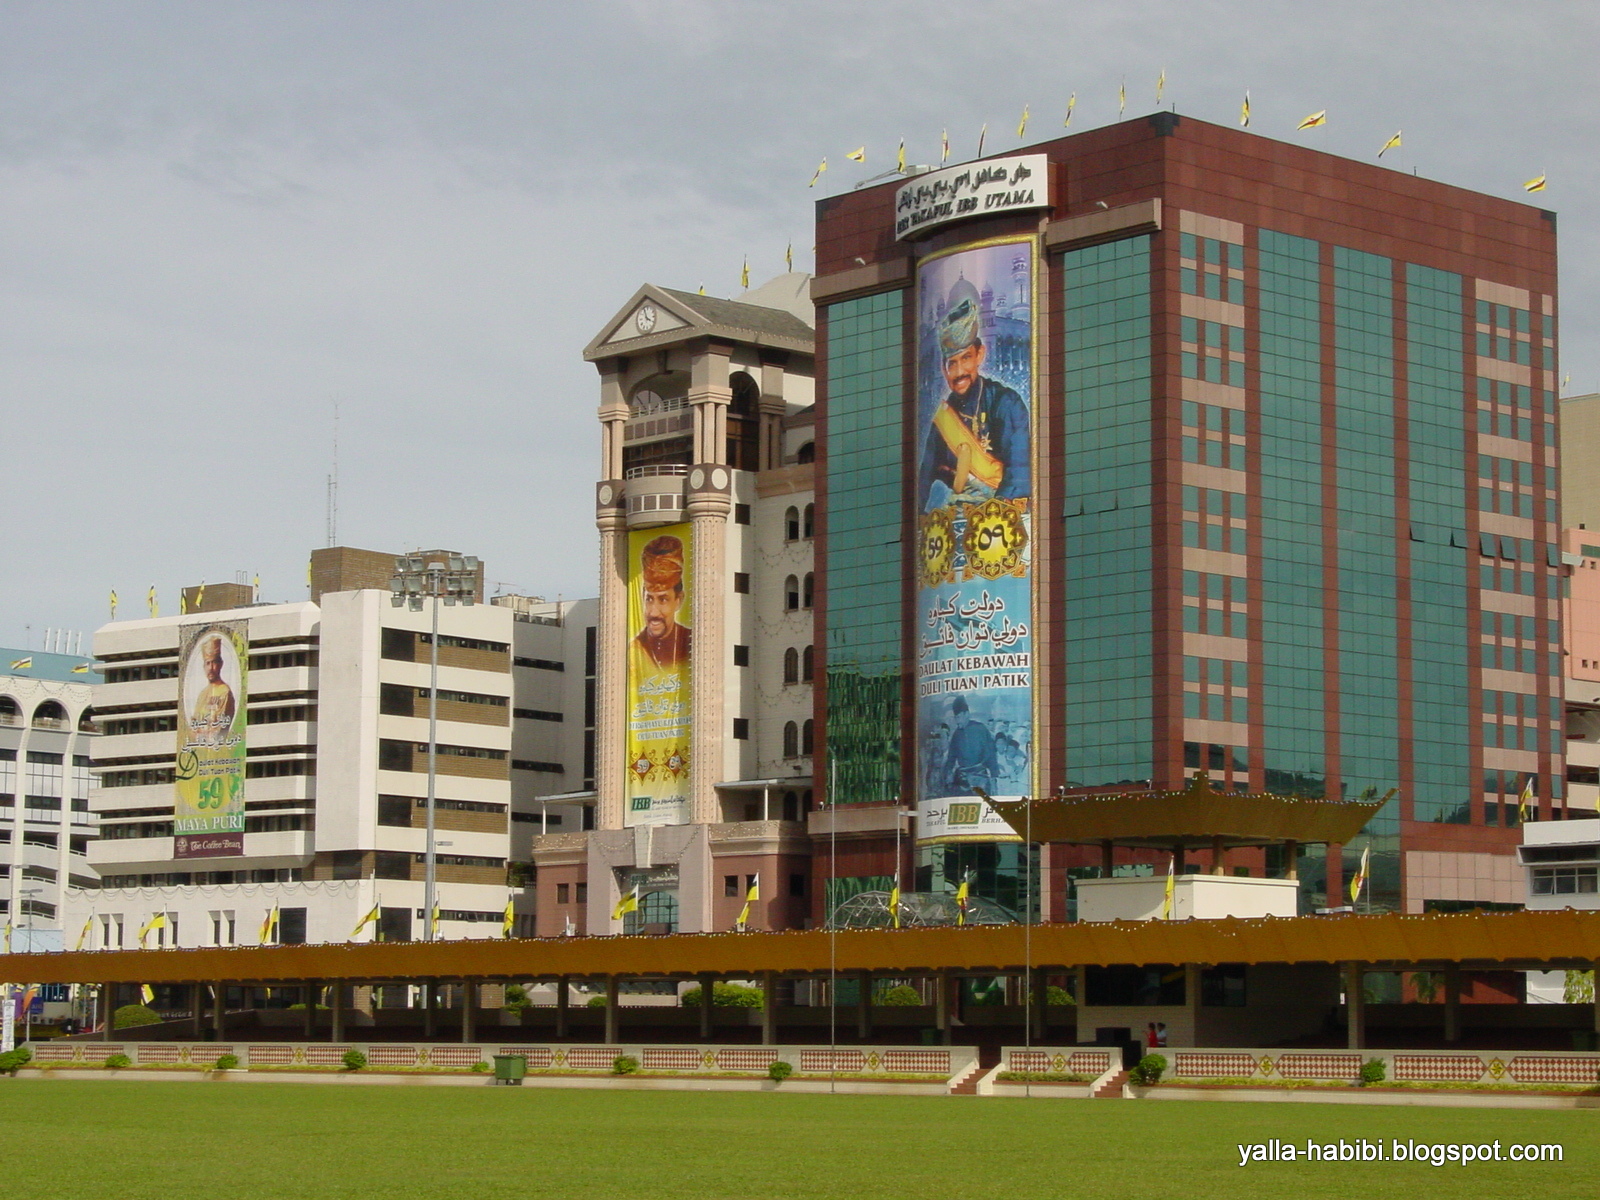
(596, 1002)
(118, 1060)
(354, 1060)
(516, 997)
(900, 996)
(130, 1015)
(726, 995)
(1148, 1070)
(14, 1060)
(226, 1062)
(481, 1067)
(778, 1070)
(1373, 1071)
(625, 1064)
(1058, 996)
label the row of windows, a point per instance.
(798, 664)
(798, 523)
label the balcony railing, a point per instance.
(657, 469)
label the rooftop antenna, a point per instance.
(333, 484)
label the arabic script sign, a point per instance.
(981, 189)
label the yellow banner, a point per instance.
(213, 679)
(660, 598)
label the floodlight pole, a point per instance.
(431, 873)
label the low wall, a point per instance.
(1271, 1067)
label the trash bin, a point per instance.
(510, 1068)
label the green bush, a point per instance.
(516, 997)
(1148, 1070)
(901, 996)
(1058, 996)
(1373, 1071)
(625, 1064)
(778, 1070)
(226, 1062)
(131, 1015)
(354, 1060)
(118, 1060)
(481, 1067)
(302, 1008)
(596, 1002)
(14, 1060)
(726, 995)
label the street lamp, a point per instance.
(452, 578)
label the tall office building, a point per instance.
(1167, 447)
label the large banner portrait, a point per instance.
(213, 678)
(659, 665)
(975, 395)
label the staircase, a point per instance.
(967, 1084)
(1111, 1089)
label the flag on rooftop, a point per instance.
(156, 921)
(83, 935)
(1161, 85)
(1536, 184)
(82, 668)
(1022, 125)
(1244, 111)
(823, 166)
(1392, 144)
(744, 274)
(944, 146)
(113, 599)
(900, 157)
(1072, 103)
(1122, 97)
(21, 664)
(788, 256)
(155, 607)
(370, 919)
(859, 154)
(1314, 120)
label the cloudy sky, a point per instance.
(220, 220)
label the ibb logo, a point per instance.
(640, 804)
(965, 814)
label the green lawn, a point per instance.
(173, 1141)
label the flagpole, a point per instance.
(1027, 948)
(833, 925)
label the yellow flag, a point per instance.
(147, 993)
(370, 919)
(750, 898)
(859, 154)
(83, 935)
(1536, 184)
(156, 921)
(788, 256)
(1022, 125)
(944, 146)
(22, 664)
(1166, 905)
(1315, 119)
(509, 918)
(8, 937)
(1392, 144)
(962, 892)
(1244, 111)
(150, 599)
(256, 594)
(1161, 85)
(113, 604)
(823, 166)
(269, 926)
(894, 905)
(434, 924)
(900, 157)
(702, 290)
(1359, 882)
(1072, 103)
(629, 903)
(200, 597)
(183, 598)
(1525, 802)
(82, 668)
(1122, 97)
(744, 274)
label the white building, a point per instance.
(1561, 860)
(337, 741)
(46, 731)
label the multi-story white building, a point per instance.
(336, 762)
(46, 731)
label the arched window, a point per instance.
(807, 742)
(811, 589)
(791, 740)
(807, 454)
(86, 723)
(791, 665)
(791, 593)
(811, 520)
(745, 395)
(807, 662)
(10, 713)
(50, 715)
(791, 524)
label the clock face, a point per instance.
(645, 318)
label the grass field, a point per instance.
(174, 1141)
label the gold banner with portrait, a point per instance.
(659, 666)
(213, 678)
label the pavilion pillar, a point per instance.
(941, 1005)
(769, 1009)
(1595, 967)
(1191, 1004)
(1452, 1003)
(1041, 1004)
(563, 1001)
(308, 993)
(108, 1010)
(1106, 859)
(219, 1008)
(864, 1005)
(1218, 865)
(430, 1004)
(708, 986)
(197, 1011)
(1177, 860)
(613, 1017)
(337, 1007)
(469, 995)
(1291, 860)
(1355, 1007)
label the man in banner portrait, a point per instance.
(662, 644)
(215, 705)
(979, 444)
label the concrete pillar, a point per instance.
(430, 1006)
(1595, 968)
(1452, 1004)
(769, 1009)
(1291, 860)
(864, 1006)
(613, 1016)
(469, 998)
(1191, 1002)
(708, 984)
(337, 1005)
(1106, 859)
(308, 993)
(1219, 865)
(563, 1001)
(219, 1008)
(197, 1012)
(941, 1006)
(1355, 1007)
(108, 1010)
(1041, 1004)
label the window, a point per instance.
(291, 926)
(810, 589)
(791, 665)
(539, 664)
(807, 664)
(791, 593)
(741, 729)
(797, 885)
(529, 764)
(806, 736)
(741, 583)
(394, 756)
(741, 514)
(563, 893)
(807, 454)
(391, 864)
(791, 524)
(741, 656)
(537, 714)
(810, 529)
(583, 893)
(1564, 881)
(730, 885)
(791, 740)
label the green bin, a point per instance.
(510, 1068)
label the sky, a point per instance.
(220, 223)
